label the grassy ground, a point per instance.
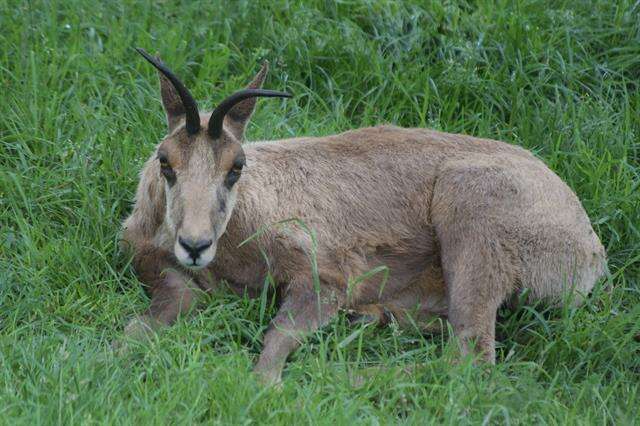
(79, 113)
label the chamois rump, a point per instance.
(463, 224)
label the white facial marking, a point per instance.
(199, 198)
(168, 220)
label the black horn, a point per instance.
(217, 116)
(189, 104)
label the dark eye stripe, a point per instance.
(222, 204)
(166, 169)
(168, 173)
(232, 178)
(240, 161)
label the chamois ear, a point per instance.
(173, 107)
(237, 118)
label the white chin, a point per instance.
(188, 263)
(202, 261)
(194, 266)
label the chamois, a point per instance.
(463, 224)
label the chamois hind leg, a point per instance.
(302, 312)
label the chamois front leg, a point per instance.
(302, 312)
(478, 250)
(172, 293)
(478, 278)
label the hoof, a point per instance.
(381, 318)
(271, 379)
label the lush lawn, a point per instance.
(79, 113)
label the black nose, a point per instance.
(194, 248)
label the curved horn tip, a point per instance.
(155, 61)
(148, 56)
(217, 116)
(192, 123)
(141, 51)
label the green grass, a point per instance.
(79, 113)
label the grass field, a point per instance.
(79, 113)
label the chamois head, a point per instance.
(201, 160)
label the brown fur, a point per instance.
(462, 224)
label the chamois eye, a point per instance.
(233, 175)
(166, 169)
